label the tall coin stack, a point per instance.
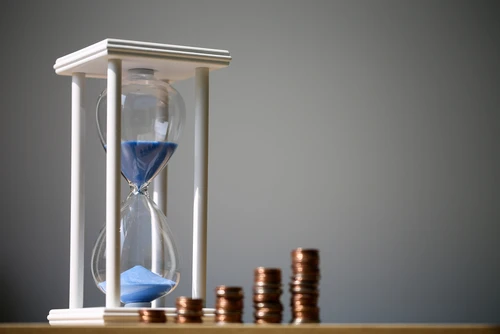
(266, 296)
(304, 286)
(228, 304)
(189, 310)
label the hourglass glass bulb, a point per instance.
(152, 118)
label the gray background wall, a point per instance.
(367, 129)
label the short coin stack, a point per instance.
(304, 286)
(189, 310)
(266, 296)
(152, 316)
(228, 304)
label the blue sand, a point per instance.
(139, 285)
(142, 159)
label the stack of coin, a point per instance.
(189, 310)
(228, 304)
(152, 316)
(304, 286)
(266, 296)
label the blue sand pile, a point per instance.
(139, 285)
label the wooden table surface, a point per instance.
(253, 329)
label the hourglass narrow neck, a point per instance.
(134, 190)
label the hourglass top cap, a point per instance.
(141, 71)
(172, 62)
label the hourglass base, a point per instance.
(140, 305)
(111, 316)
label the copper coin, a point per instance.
(187, 309)
(299, 321)
(271, 275)
(268, 279)
(189, 313)
(309, 315)
(305, 261)
(260, 298)
(315, 287)
(188, 302)
(265, 270)
(220, 311)
(302, 289)
(292, 306)
(298, 296)
(304, 257)
(261, 313)
(234, 315)
(313, 262)
(311, 274)
(313, 300)
(153, 320)
(271, 284)
(300, 253)
(268, 321)
(180, 319)
(232, 301)
(152, 316)
(267, 285)
(304, 297)
(306, 316)
(269, 306)
(303, 303)
(304, 283)
(151, 312)
(305, 277)
(306, 309)
(311, 270)
(228, 303)
(229, 291)
(307, 265)
(310, 265)
(305, 250)
(309, 303)
(266, 290)
(229, 309)
(228, 318)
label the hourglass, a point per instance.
(140, 118)
(152, 117)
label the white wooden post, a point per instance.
(113, 156)
(199, 283)
(160, 189)
(77, 192)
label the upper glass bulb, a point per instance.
(152, 118)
